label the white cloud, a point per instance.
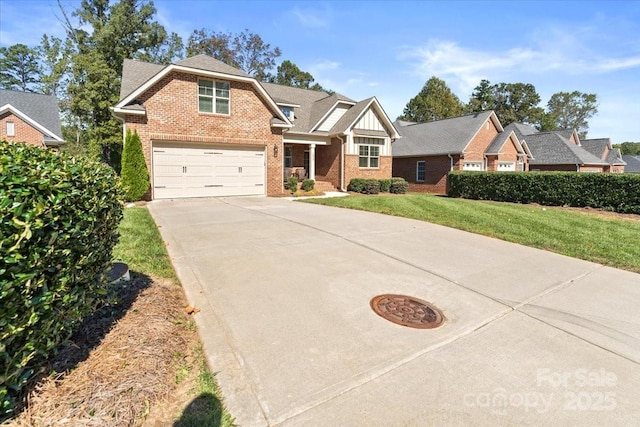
(312, 18)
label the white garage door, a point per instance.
(196, 171)
(506, 167)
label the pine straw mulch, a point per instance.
(121, 362)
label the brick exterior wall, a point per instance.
(476, 148)
(172, 115)
(353, 170)
(328, 163)
(24, 132)
(435, 174)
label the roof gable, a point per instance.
(447, 136)
(40, 111)
(553, 148)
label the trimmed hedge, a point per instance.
(291, 184)
(135, 176)
(59, 225)
(375, 186)
(616, 192)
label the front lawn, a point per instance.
(586, 234)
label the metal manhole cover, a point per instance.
(407, 311)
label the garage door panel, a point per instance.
(181, 172)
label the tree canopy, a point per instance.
(629, 148)
(288, 74)
(19, 68)
(246, 50)
(571, 110)
(512, 102)
(434, 102)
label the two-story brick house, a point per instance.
(209, 129)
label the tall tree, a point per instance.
(434, 102)
(512, 102)
(288, 74)
(19, 68)
(629, 148)
(246, 50)
(571, 110)
(55, 60)
(103, 34)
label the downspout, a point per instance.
(124, 126)
(486, 163)
(450, 158)
(341, 164)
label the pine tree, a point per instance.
(135, 176)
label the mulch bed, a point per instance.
(120, 363)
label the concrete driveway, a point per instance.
(530, 337)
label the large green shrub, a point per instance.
(617, 192)
(398, 186)
(385, 185)
(356, 185)
(135, 176)
(291, 184)
(371, 186)
(59, 219)
(308, 184)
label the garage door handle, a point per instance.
(158, 151)
(184, 169)
(239, 169)
(214, 185)
(160, 186)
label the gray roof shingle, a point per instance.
(447, 136)
(135, 74)
(208, 63)
(633, 164)
(552, 148)
(42, 109)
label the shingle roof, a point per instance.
(499, 141)
(313, 105)
(521, 129)
(208, 63)
(597, 147)
(633, 164)
(135, 74)
(42, 109)
(350, 116)
(552, 148)
(448, 136)
(615, 157)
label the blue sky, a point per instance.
(390, 49)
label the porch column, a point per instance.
(312, 161)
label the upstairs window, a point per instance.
(11, 129)
(213, 97)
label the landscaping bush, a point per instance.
(385, 185)
(59, 225)
(292, 184)
(617, 192)
(371, 186)
(398, 186)
(308, 184)
(135, 176)
(356, 185)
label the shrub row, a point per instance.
(59, 225)
(375, 186)
(616, 192)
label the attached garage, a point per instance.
(506, 167)
(183, 171)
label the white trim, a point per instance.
(173, 67)
(329, 111)
(388, 121)
(29, 120)
(127, 111)
(287, 104)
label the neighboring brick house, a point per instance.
(427, 152)
(563, 151)
(209, 129)
(31, 118)
(602, 148)
(632, 164)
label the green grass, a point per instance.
(141, 246)
(605, 240)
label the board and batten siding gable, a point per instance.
(370, 121)
(333, 118)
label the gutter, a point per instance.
(342, 188)
(124, 126)
(451, 158)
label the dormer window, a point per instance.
(288, 111)
(213, 97)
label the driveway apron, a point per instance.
(284, 290)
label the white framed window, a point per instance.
(420, 168)
(472, 166)
(213, 97)
(288, 157)
(369, 156)
(11, 129)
